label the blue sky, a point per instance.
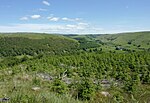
(74, 16)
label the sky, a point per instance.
(74, 16)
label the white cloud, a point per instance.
(24, 18)
(71, 19)
(79, 28)
(35, 16)
(77, 19)
(71, 26)
(51, 28)
(53, 18)
(66, 19)
(46, 3)
(83, 24)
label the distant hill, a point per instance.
(139, 38)
(32, 44)
(13, 44)
(131, 41)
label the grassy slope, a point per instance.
(35, 36)
(32, 35)
(139, 38)
(136, 39)
(23, 93)
(18, 88)
(25, 81)
(35, 43)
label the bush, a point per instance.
(59, 87)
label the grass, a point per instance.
(18, 88)
(17, 83)
(134, 41)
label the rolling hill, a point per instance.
(32, 44)
(128, 41)
(46, 68)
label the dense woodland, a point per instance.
(16, 45)
(74, 68)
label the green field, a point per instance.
(132, 41)
(50, 68)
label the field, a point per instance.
(100, 68)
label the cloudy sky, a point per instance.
(74, 16)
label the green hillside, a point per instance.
(33, 44)
(46, 68)
(127, 41)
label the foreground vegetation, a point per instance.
(76, 72)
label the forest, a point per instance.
(100, 68)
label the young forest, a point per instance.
(100, 68)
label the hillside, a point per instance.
(139, 39)
(127, 41)
(46, 68)
(33, 44)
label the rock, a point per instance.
(105, 81)
(45, 76)
(67, 80)
(106, 94)
(4, 99)
(36, 88)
